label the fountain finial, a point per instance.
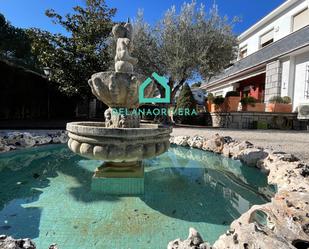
(124, 62)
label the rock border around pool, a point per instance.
(283, 223)
(7, 242)
(19, 140)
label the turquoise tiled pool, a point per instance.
(45, 195)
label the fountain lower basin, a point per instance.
(119, 145)
(121, 149)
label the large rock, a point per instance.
(226, 150)
(194, 241)
(7, 242)
(196, 142)
(181, 140)
(60, 138)
(41, 140)
(251, 156)
(4, 147)
(214, 144)
(20, 139)
(283, 224)
(237, 147)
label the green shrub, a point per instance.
(232, 94)
(218, 100)
(276, 100)
(210, 97)
(248, 101)
(286, 100)
(185, 100)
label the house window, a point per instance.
(243, 52)
(301, 20)
(267, 38)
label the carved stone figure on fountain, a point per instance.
(124, 62)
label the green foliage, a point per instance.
(185, 100)
(75, 57)
(232, 94)
(276, 100)
(218, 100)
(210, 97)
(15, 43)
(286, 100)
(196, 85)
(248, 101)
(280, 100)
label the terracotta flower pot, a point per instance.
(276, 107)
(208, 105)
(257, 107)
(231, 103)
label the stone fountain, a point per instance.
(122, 142)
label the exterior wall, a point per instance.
(258, 120)
(273, 80)
(301, 78)
(294, 78)
(285, 77)
(282, 25)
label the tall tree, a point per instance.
(82, 51)
(15, 43)
(185, 44)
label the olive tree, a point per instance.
(185, 44)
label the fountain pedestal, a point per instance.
(119, 178)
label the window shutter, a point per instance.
(267, 37)
(301, 20)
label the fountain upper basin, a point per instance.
(93, 140)
(117, 89)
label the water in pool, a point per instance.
(45, 195)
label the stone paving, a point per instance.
(295, 142)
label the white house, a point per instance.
(273, 57)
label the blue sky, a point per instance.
(30, 13)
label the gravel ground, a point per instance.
(295, 142)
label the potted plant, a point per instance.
(249, 104)
(210, 99)
(231, 101)
(279, 104)
(218, 104)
